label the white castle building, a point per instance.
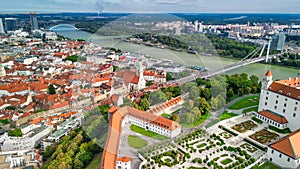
(286, 151)
(279, 106)
(280, 102)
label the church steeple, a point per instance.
(2, 71)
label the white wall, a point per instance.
(281, 159)
(286, 106)
(153, 128)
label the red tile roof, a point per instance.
(124, 159)
(289, 145)
(273, 116)
(135, 80)
(113, 139)
(269, 73)
(289, 88)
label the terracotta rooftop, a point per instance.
(289, 88)
(269, 73)
(289, 145)
(273, 116)
(124, 159)
(110, 153)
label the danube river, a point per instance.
(210, 62)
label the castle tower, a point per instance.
(268, 80)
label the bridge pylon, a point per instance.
(268, 51)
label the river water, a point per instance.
(210, 62)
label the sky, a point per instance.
(144, 6)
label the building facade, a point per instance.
(2, 31)
(280, 102)
(11, 24)
(123, 163)
(286, 151)
(278, 41)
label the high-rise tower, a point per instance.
(33, 21)
(11, 24)
(2, 31)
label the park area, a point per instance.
(245, 103)
(264, 136)
(227, 115)
(136, 142)
(244, 126)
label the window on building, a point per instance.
(295, 109)
(266, 103)
(285, 99)
(284, 105)
(267, 98)
(283, 110)
(288, 159)
(270, 159)
(276, 102)
(272, 151)
(275, 107)
(294, 115)
(277, 96)
(280, 155)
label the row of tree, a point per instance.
(288, 59)
(211, 95)
(157, 97)
(74, 151)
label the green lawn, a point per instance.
(95, 163)
(227, 115)
(212, 123)
(266, 165)
(282, 131)
(226, 161)
(250, 110)
(245, 102)
(232, 98)
(257, 120)
(136, 142)
(165, 115)
(198, 122)
(151, 134)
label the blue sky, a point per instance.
(218, 6)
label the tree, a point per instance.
(248, 90)
(73, 58)
(241, 91)
(15, 133)
(204, 107)
(194, 92)
(157, 97)
(177, 91)
(169, 77)
(230, 93)
(51, 89)
(144, 104)
(127, 102)
(78, 164)
(206, 93)
(175, 117)
(200, 82)
(214, 103)
(196, 112)
(169, 95)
